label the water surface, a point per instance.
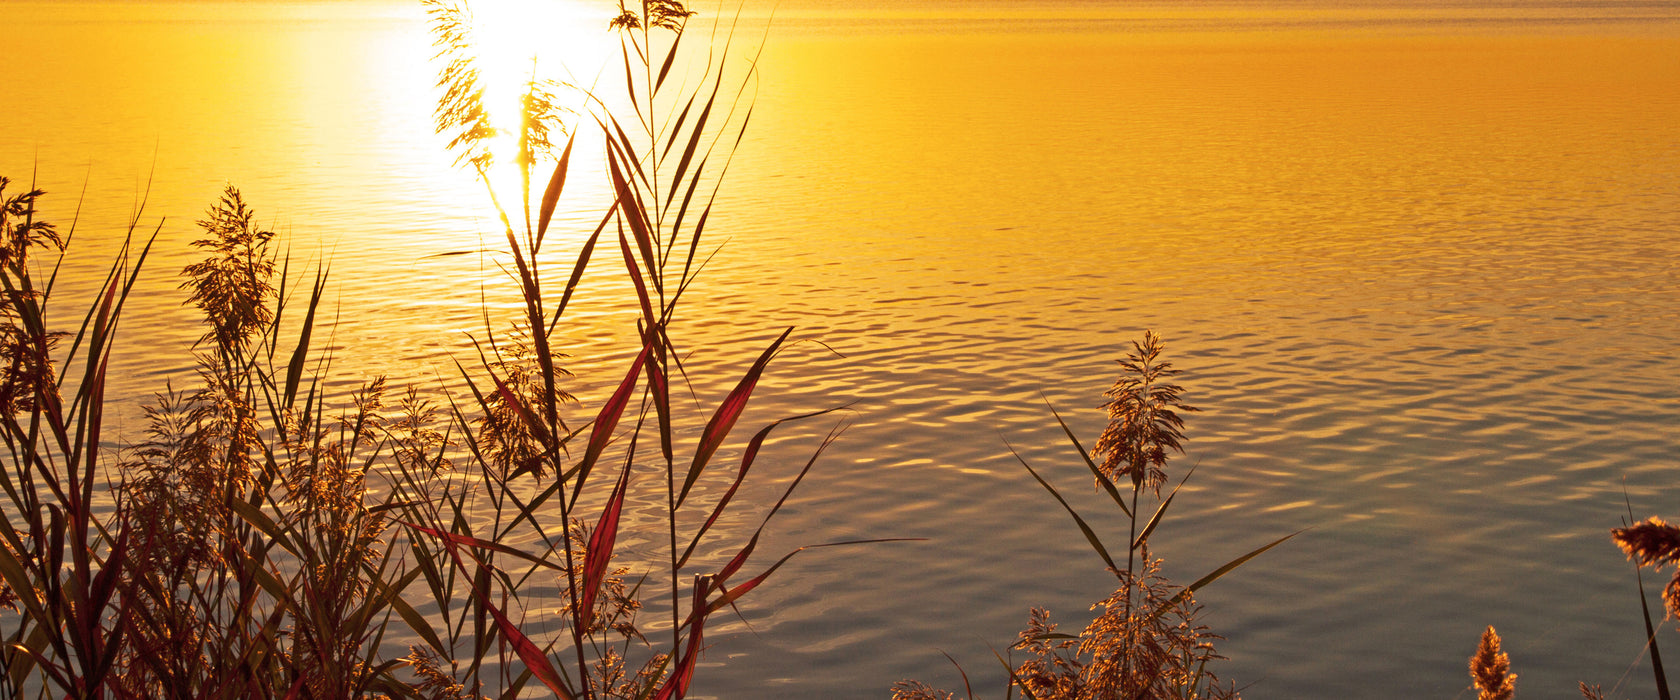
(1416, 260)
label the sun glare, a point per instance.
(521, 41)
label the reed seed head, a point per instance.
(1490, 669)
(1143, 420)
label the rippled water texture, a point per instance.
(1419, 263)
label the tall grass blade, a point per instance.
(747, 459)
(676, 686)
(1214, 576)
(1160, 510)
(1651, 639)
(732, 594)
(670, 58)
(551, 194)
(727, 413)
(294, 367)
(607, 420)
(650, 320)
(1107, 484)
(599, 553)
(1090, 535)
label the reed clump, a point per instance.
(267, 538)
(1145, 641)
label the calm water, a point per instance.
(1419, 262)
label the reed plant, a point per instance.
(1145, 641)
(267, 538)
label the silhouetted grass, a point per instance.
(267, 540)
(1145, 641)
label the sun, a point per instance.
(561, 43)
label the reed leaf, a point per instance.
(556, 184)
(747, 458)
(724, 418)
(1090, 535)
(1215, 574)
(600, 549)
(1160, 510)
(294, 367)
(1102, 479)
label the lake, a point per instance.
(1419, 262)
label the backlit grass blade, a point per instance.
(452, 540)
(1160, 510)
(578, 267)
(535, 660)
(633, 211)
(659, 386)
(1107, 484)
(635, 271)
(607, 420)
(676, 686)
(599, 553)
(670, 58)
(724, 418)
(294, 368)
(740, 477)
(730, 595)
(1651, 639)
(1214, 576)
(556, 184)
(693, 144)
(1090, 535)
(1015, 678)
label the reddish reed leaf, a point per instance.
(607, 420)
(660, 387)
(727, 413)
(730, 595)
(740, 476)
(534, 658)
(599, 553)
(452, 540)
(676, 685)
(636, 276)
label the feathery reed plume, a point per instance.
(1591, 692)
(1654, 543)
(1490, 669)
(1143, 423)
(460, 112)
(26, 365)
(1128, 651)
(917, 690)
(231, 285)
(660, 14)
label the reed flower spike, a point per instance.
(1143, 420)
(1490, 669)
